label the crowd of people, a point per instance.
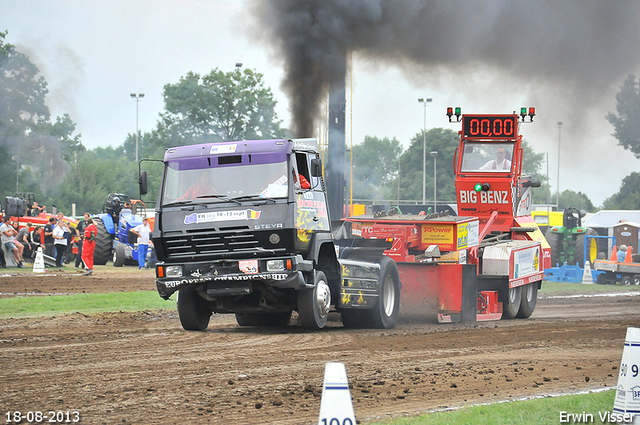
(58, 239)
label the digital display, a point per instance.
(489, 126)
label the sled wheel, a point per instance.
(511, 303)
(528, 300)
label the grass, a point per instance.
(32, 306)
(582, 287)
(529, 412)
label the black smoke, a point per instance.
(575, 50)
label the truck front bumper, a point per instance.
(225, 279)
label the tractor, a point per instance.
(115, 241)
(567, 241)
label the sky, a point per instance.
(95, 54)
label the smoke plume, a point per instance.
(583, 47)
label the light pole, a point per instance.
(434, 154)
(558, 176)
(137, 97)
(424, 148)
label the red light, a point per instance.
(532, 111)
(160, 271)
(288, 264)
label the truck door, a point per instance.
(311, 205)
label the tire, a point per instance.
(104, 243)
(555, 242)
(602, 279)
(278, 320)
(314, 304)
(511, 302)
(635, 280)
(193, 312)
(625, 280)
(118, 256)
(528, 300)
(578, 255)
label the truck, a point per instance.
(488, 262)
(243, 228)
(238, 232)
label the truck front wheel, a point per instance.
(314, 304)
(192, 309)
(511, 302)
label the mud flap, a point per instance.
(469, 294)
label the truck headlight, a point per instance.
(275, 265)
(173, 271)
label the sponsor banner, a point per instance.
(223, 148)
(441, 234)
(526, 262)
(248, 266)
(209, 217)
(468, 234)
(514, 283)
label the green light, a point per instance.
(478, 187)
(523, 111)
(458, 111)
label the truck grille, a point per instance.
(211, 244)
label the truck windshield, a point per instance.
(487, 157)
(199, 185)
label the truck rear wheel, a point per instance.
(192, 309)
(102, 253)
(625, 280)
(636, 279)
(263, 319)
(511, 303)
(314, 304)
(528, 300)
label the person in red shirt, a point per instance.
(201, 188)
(89, 245)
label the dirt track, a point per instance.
(143, 368)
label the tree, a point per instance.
(626, 122)
(218, 106)
(375, 164)
(579, 200)
(628, 197)
(532, 166)
(445, 143)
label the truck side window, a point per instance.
(302, 166)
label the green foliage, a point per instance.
(626, 122)
(628, 197)
(218, 106)
(445, 143)
(579, 200)
(375, 165)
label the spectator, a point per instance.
(35, 239)
(36, 209)
(143, 231)
(90, 234)
(80, 228)
(8, 238)
(72, 240)
(60, 241)
(48, 237)
(622, 253)
(23, 238)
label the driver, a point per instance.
(200, 188)
(500, 163)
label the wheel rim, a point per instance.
(513, 295)
(636, 280)
(528, 293)
(323, 298)
(388, 296)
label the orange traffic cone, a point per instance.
(614, 254)
(627, 258)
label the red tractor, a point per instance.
(486, 263)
